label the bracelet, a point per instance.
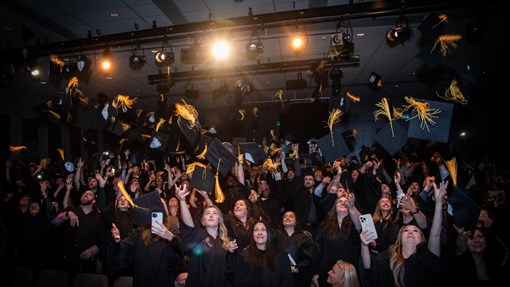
(415, 212)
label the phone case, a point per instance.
(157, 217)
(368, 223)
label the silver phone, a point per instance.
(367, 223)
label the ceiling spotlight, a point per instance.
(164, 59)
(398, 35)
(401, 32)
(136, 61)
(33, 71)
(105, 66)
(254, 47)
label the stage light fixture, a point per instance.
(401, 32)
(164, 59)
(106, 64)
(33, 72)
(137, 60)
(254, 47)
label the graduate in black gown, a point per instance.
(412, 260)
(261, 263)
(206, 241)
(154, 250)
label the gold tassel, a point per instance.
(423, 112)
(73, 82)
(451, 165)
(160, 123)
(190, 168)
(279, 95)
(122, 141)
(274, 136)
(123, 102)
(54, 114)
(241, 112)
(56, 60)
(334, 118)
(61, 153)
(202, 154)
(83, 100)
(353, 97)
(442, 18)
(218, 193)
(188, 112)
(273, 149)
(384, 110)
(454, 94)
(16, 149)
(445, 42)
(269, 166)
(125, 193)
(293, 154)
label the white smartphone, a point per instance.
(157, 217)
(368, 223)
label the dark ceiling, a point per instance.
(71, 28)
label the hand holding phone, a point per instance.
(157, 217)
(367, 223)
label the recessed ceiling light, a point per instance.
(114, 14)
(360, 34)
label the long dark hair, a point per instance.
(254, 256)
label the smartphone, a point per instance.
(368, 223)
(157, 217)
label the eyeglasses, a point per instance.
(479, 236)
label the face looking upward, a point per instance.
(260, 235)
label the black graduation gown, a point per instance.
(155, 264)
(207, 263)
(421, 269)
(243, 274)
(300, 246)
(345, 245)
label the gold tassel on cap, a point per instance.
(123, 102)
(160, 123)
(125, 193)
(353, 97)
(454, 94)
(424, 112)
(16, 149)
(269, 166)
(385, 110)
(188, 112)
(218, 193)
(445, 42)
(451, 165)
(61, 153)
(190, 168)
(334, 118)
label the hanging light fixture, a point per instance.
(137, 60)
(401, 32)
(254, 47)
(299, 40)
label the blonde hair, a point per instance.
(350, 274)
(222, 229)
(397, 261)
(378, 215)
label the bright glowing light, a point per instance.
(106, 65)
(220, 50)
(298, 43)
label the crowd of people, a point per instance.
(295, 224)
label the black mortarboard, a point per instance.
(430, 57)
(431, 26)
(221, 156)
(191, 133)
(65, 167)
(145, 205)
(116, 127)
(392, 142)
(202, 179)
(465, 209)
(439, 131)
(158, 140)
(252, 152)
(330, 150)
